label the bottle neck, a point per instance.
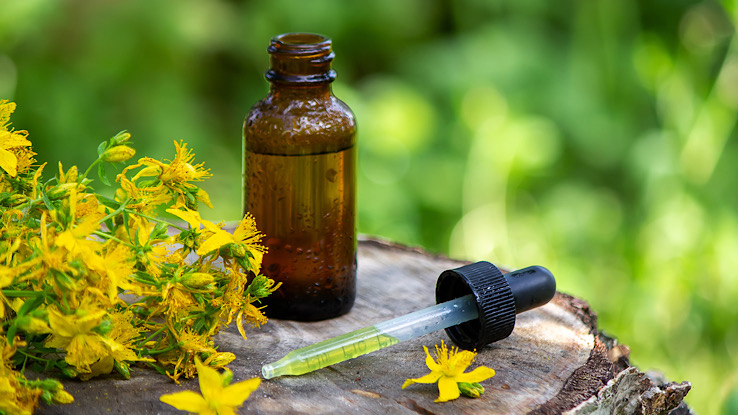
(300, 60)
(285, 90)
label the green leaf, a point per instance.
(47, 201)
(101, 148)
(158, 368)
(11, 332)
(47, 397)
(102, 174)
(31, 304)
(107, 202)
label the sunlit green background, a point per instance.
(594, 137)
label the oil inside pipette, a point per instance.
(328, 352)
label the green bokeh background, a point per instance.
(595, 137)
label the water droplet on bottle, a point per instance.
(331, 175)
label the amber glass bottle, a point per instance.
(300, 181)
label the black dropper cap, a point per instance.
(499, 298)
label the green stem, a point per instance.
(153, 335)
(30, 356)
(168, 349)
(120, 209)
(89, 169)
(107, 236)
(156, 220)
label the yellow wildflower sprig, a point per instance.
(447, 369)
(67, 254)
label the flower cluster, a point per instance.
(91, 284)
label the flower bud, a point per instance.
(221, 359)
(62, 397)
(227, 377)
(197, 279)
(120, 138)
(14, 200)
(472, 390)
(118, 153)
(60, 191)
(238, 250)
(69, 372)
(123, 369)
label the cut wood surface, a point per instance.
(554, 360)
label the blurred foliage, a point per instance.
(594, 137)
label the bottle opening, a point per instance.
(300, 44)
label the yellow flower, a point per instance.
(14, 152)
(77, 241)
(245, 238)
(448, 371)
(180, 169)
(176, 299)
(174, 176)
(122, 337)
(152, 253)
(116, 269)
(253, 315)
(50, 257)
(83, 346)
(218, 398)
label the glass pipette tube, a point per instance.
(372, 338)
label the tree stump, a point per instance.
(554, 361)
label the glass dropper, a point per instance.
(481, 308)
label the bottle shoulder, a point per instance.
(281, 124)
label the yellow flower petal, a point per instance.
(431, 377)
(211, 384)
(61, 325)
(477, 375)
(192, 217)
(432, 365)
(203, 197)
(234, 395)
(224, 410)
(8, 162)
(187, 401)
(448, 389)
(217, 240)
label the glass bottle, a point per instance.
(300, 181)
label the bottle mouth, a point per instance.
(301, 44)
